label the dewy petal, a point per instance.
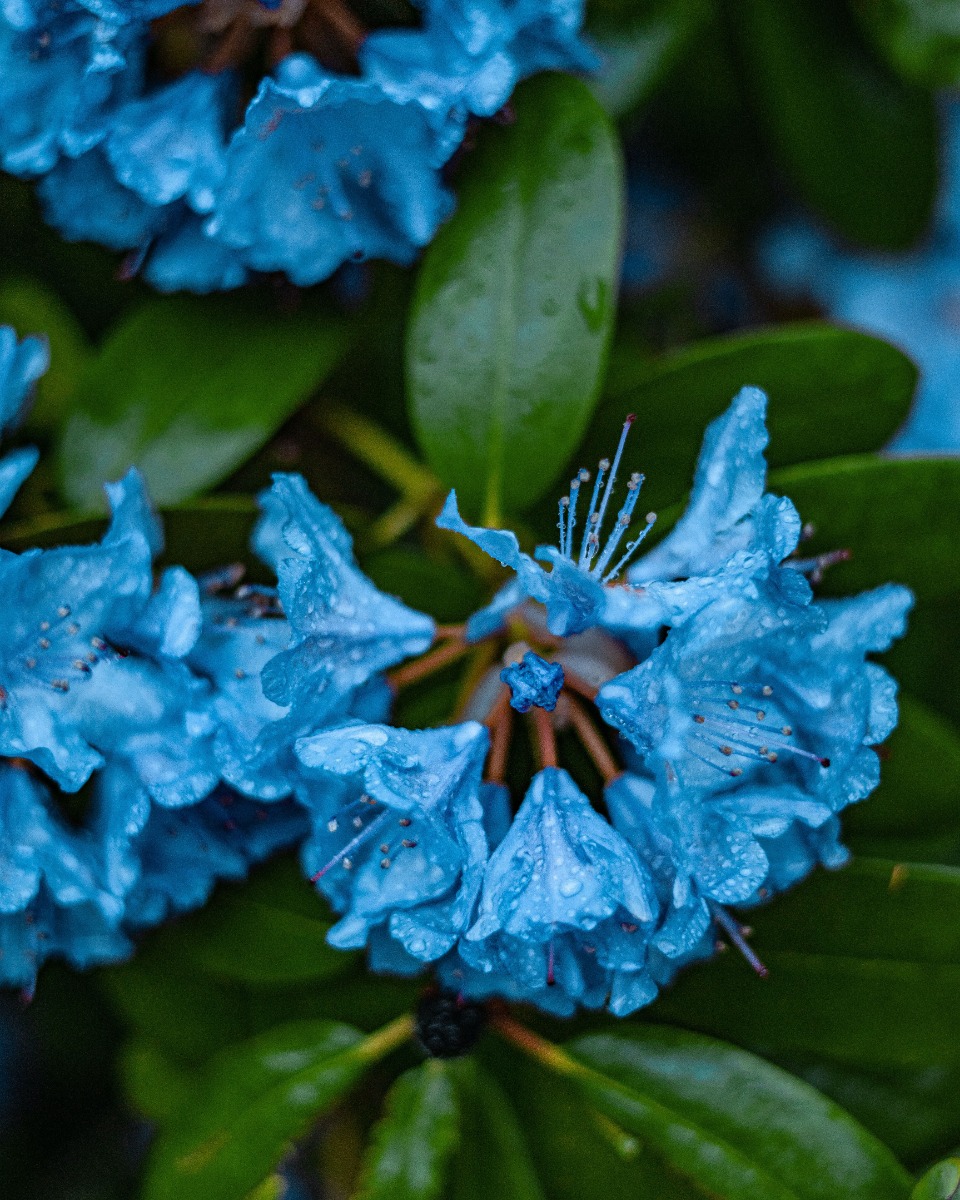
(560, 866)
(344, 631)
(727, 490)
(425, 794)
(14, 469)
(21, 365)
(326, 169)
(170, 144)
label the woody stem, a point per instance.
(592, 741)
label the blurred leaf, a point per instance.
(493, 1159)
(156, 1086)
(515, 300)
(860, 144)
(920, 38)
(271, 930)
(442, 589)
(186, 389)
(864, 968)
(832, 392)
(258, 1097)
(929, 656)
(638, 42)
(32, 308)
(897, 516)
(737, 1126)
(274, 1188)
(411, 1145)
(913, 798)
(941, 1182)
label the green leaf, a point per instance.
(920, 38)
(187, 389)
(411, 1145)
(270, 930)
(864, 968)
(913, 799)
(831, 391)
(32, 308)
(442, 589)
(736, 1125)
(860, 144)
(493, 1159)
(157, 1087)
(639, 42)
(515, 300)
(259, 1097)
(941, 1182)
(869, 506)
(579, 1153)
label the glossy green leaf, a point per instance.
(579, 1153)
(736, 1125)
(860, 144)
(515, 300)
(897, 517)
(919, 791)
(638, 42)
(186, 389)
(831, 392)
(920, 38)
(864, 966)
(32, 308)
(259, 1097)
(411, 1145)
(941, 1182)
(493, 1159)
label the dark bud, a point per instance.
(449, 1026)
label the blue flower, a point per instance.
(373, 192)
(566, 903)
(65, 607)
(52, 901)
(910, 299)
(21, 365)
(533, 681)
(731, 534)
(754, 724)
(344, 632)
(158, 861)
(317, 170)
(401, 850)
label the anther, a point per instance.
(63, 611)
(408, 844)
(44, 643)
(767, 689)
(787, 730)
(727, 750)
(385, 863)
(734, 704)
(405, 822)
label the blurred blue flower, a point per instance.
(911, 299)
(318, 169)
(402, 849)
(21, 365)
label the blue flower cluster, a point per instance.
(910, 299)
(745, 714)
(163, 152)
(140, 695)
(726, 719)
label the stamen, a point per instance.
(592, 741)
(582, 476)
(631, 547)
(353, 844)
(623, 521)
(602, 467)
(735, 934)
(421, 667)
(613, 470)
(545, 740)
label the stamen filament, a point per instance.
(500, 723)
(545, 737)
(631, 547)
(421, 667)
(351, 845)
(735, 933)
(613, 470)
(592, 741)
